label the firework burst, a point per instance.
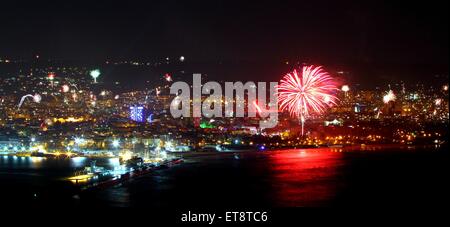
(389, 96)
(310, 91)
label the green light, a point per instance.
(206, 125)
(95, 74)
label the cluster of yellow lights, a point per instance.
(127, 155)
(38, 148)
(69, 119)
(80, 178)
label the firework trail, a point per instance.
(36, 98)
(73, 85)
(257, 107)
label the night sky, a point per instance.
(402, 39)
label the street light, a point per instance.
(116, 143)
(79, 140)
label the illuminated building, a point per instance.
(137, 113)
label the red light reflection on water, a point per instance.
(305, 177)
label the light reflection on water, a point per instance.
(285, 178)
(78, 161)
(304, 178)
(63, 165)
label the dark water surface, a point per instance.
(384, 176)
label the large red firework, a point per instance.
(309, 92)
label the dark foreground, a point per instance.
(289, 178)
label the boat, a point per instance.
(132, 162)
(93, 169)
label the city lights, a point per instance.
(438, 102)
(163, 104)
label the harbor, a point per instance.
(94, 177)
(75, 173)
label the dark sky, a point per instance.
(406, 37)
